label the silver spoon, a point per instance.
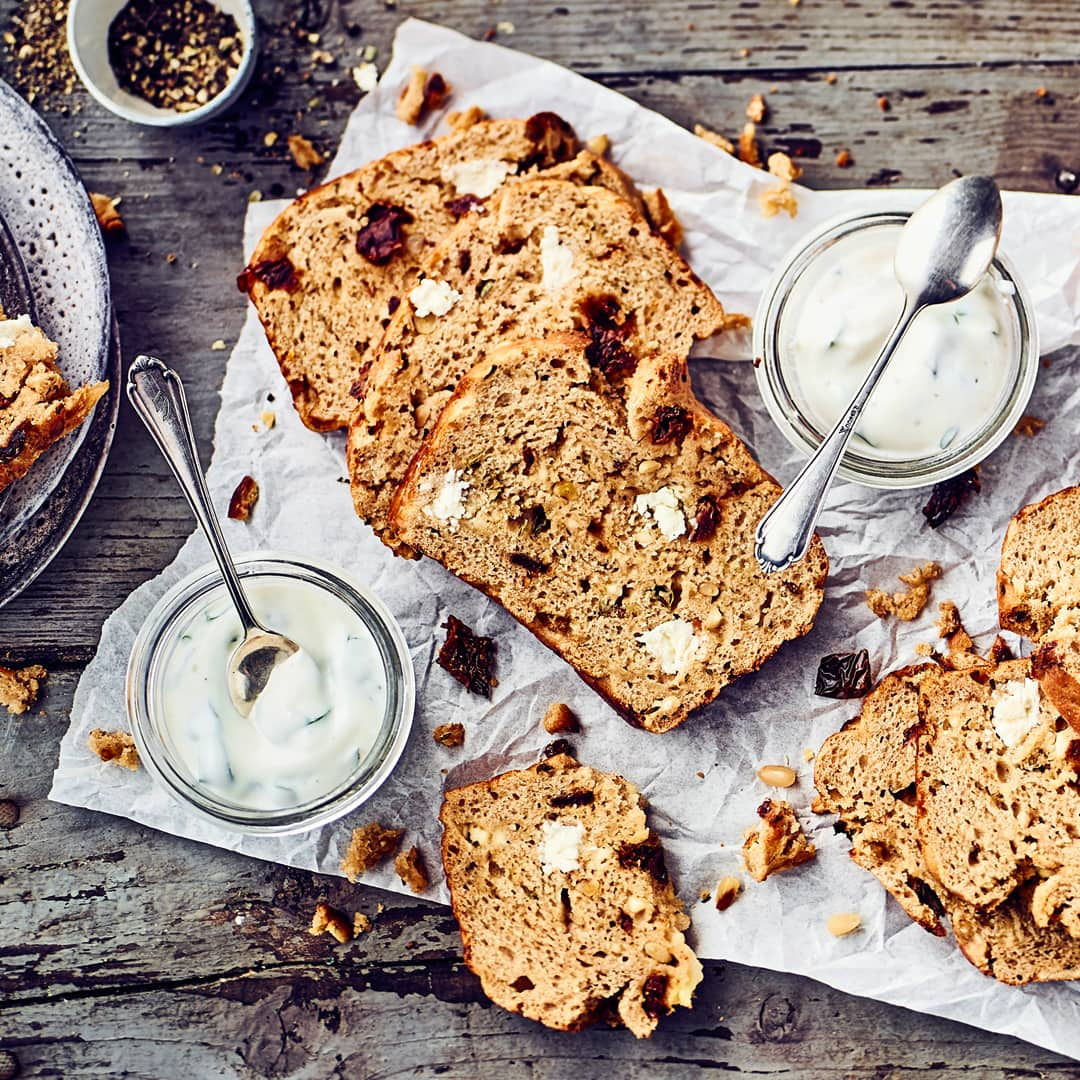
(157, 394)
(944, 250)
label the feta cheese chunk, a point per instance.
(1016, 710)
(449, 504)
(673, 643)
(556, 261)
(666, 511)
(433, 297)
(561, 846)
(480, 177)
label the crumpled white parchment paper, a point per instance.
(765, 718)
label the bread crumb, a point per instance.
(807, 754)
(328, 921)
(714, 138)
(744, 52)
(304, 152)
(748, 148)
(907, 605)
(410, 868)
(884, 104)
(449, 734)
(783, 168)
(19, 687)
(700, 775)
(662, 217)
(115, 746)
(1041, 92)
(243, 499)
(778, 199)
(361, 924)
(844, 160)
(727, 892)
(268, 418)
(598, 145)
(778, 843)
(370, 845)
(460, 121)
(733, 320)
(1029, 426)
(756, 109)
(366, 76)
(831, 78)
(106, 213)
(949, 622)
(560, 719)
(924, 648)
(218, 345)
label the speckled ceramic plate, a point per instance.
(52, 227)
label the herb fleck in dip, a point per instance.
(175, 55)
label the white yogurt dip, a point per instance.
(947, 378)
(316, 720)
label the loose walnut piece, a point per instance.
(115, 746)
(783, 168)
(714, 138)
(112, 224)
(460, 121)
(304, 152)
(560, 720)
(727, 892)
(756, 109)
(244, 499)
(748, 147)
(662, 217)
(421, 95)
(370, 845)
(778, 843)
(449, 734)
(410, 868)
(361, 924)
(906, 605)
(19, 687)
(1029, 426)
(777, 200)
(328, 921)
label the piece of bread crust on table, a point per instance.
(612, 516)
(566, 909)
(328, 274)
(547, 257)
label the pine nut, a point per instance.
(712, 620)
(777, 775)
(648, 467)
(845, 923)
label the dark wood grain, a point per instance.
(123, 951)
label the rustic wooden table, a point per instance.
(126, 952)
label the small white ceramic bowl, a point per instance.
(88, 36)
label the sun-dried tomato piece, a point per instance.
(647, 856)
(463, 205)
(469, 657)
(654, 996)
(948, 496)
(573, 798)
(843, 675)
(436, 92)
(273, 273)
(626, 922)
(528, 563)
(672, 423)
(706, 519)
(556, 747)
(382, 237)
(608, 328)
(13, 447)
(244, 499)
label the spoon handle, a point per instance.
(784, 533)
(157, 394)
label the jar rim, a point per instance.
(803, 433)
(203, 586)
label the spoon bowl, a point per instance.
(944, 251)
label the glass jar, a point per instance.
(155, 654)
(780, 389)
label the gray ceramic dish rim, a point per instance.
(870, 472)
(179, 599)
